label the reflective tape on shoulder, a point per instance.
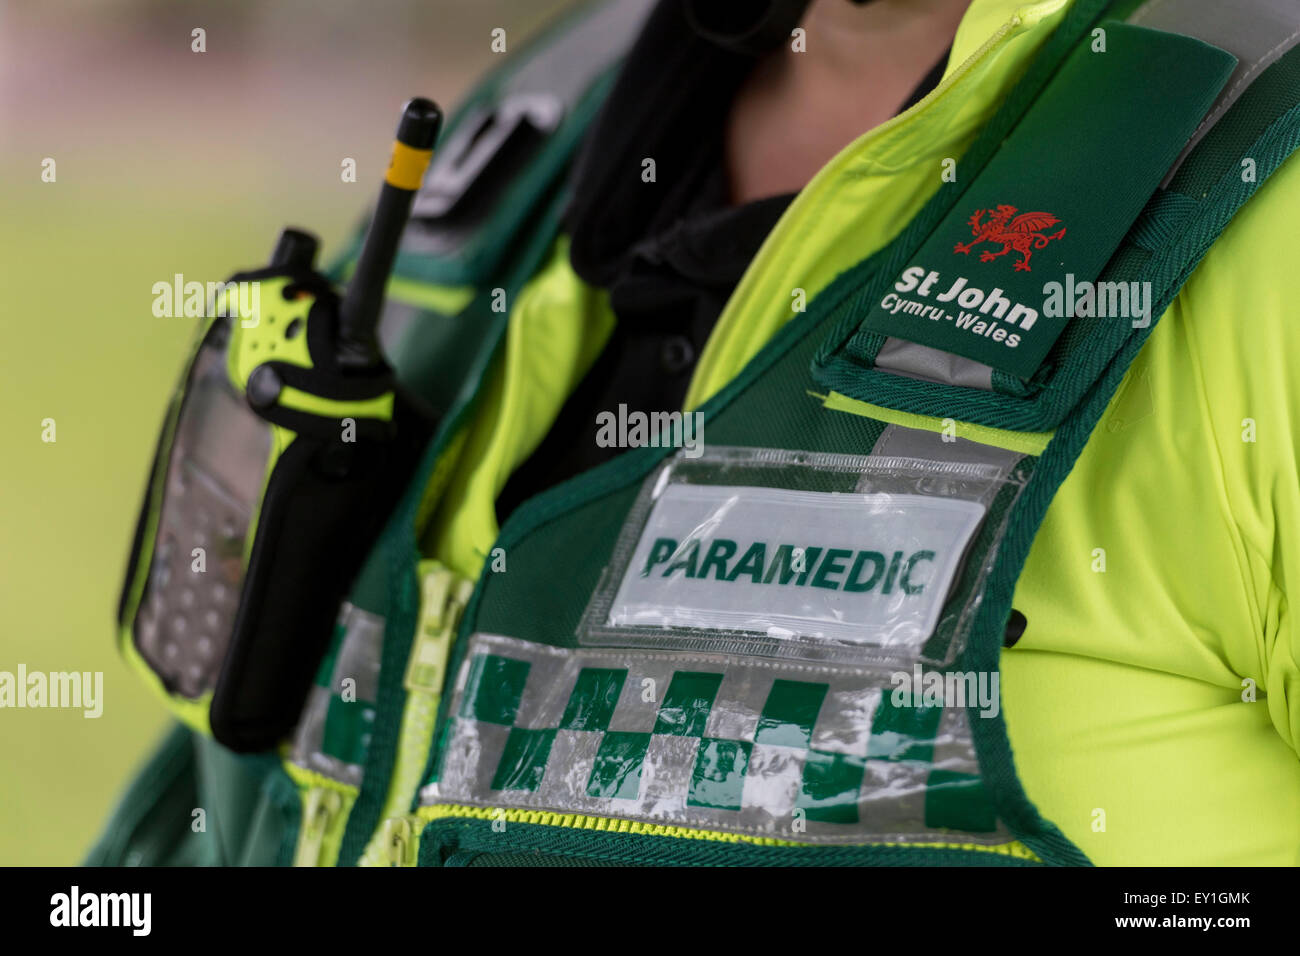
(333, 733)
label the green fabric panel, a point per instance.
(230, 791)
(958, 800)
(524, 760)
(830, 786)
(348, 729)
(273, 833)
(151, 824)
(789, 714)
(495, 687)
(250, 810)
(370, 590)
(1153, 88)
(617, 771)
(1123, 9)
(903, 733)
(591, 704)
(686, 705)
(436, 352)
(718, 778)
(532, 607)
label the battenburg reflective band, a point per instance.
(334, 731)
(806, 753)
(1045, 213)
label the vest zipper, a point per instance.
(322, 818)
(400, 838)
(443, 597)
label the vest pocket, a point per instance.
(147, 828)
(170, 816)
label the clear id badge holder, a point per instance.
(802, 555)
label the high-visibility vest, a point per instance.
(772, 633)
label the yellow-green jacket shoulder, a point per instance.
(1162, 656)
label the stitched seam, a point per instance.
(1228, 99)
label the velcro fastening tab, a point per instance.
(1052, 205)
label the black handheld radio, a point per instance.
(283, 454)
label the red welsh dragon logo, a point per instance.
(1024, 233)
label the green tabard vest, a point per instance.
(779, 646)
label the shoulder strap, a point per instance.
(1245, 131)
(1257, 32)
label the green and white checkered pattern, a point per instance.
(809, 752)
(333, 734)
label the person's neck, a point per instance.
(891, 31)
(798, 109)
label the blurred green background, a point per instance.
(167, 161)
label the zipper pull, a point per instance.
(320, 809)
(443, 598)
(402, 840)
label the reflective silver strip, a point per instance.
(911, 360)
(1256, 32)
(361, 652)
(897, 441)
(810, 753)
(359, 658)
